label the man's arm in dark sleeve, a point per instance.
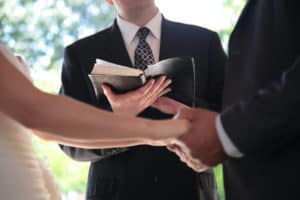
(270, 119)
(75, 84)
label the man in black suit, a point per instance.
(143, 172)
(257, 134)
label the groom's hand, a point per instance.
(201, 139)
(200, 146)
(134, 102)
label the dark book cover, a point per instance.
(181, 70)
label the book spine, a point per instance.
(195, 81)
(94, 84)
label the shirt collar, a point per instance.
(129, 29)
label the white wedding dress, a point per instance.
(22, 175)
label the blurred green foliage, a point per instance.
(235, 7)
(39, 30)
(69, 175)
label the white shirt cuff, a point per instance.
(229, 148)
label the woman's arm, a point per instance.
(67, 121)
(105, 144)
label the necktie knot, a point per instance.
(143, 33)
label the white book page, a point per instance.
(105, 67)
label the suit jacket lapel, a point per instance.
(166, 39)
(242, 17)
(117, 51)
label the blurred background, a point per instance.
(39, 30)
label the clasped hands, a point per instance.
(199, 147)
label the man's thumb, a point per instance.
(106, 90)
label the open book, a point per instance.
(121, 79)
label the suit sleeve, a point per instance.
(75, 84)
(216, 65)
(270, 119)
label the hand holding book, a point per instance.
(121, 79)
(133, 102)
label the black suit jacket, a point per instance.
(262, 102)
(143, 172)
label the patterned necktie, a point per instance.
(143, 55)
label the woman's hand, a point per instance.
(171, 129)
(168, 105)
(134, 102)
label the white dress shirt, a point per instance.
(228, 146)
(129, 30)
